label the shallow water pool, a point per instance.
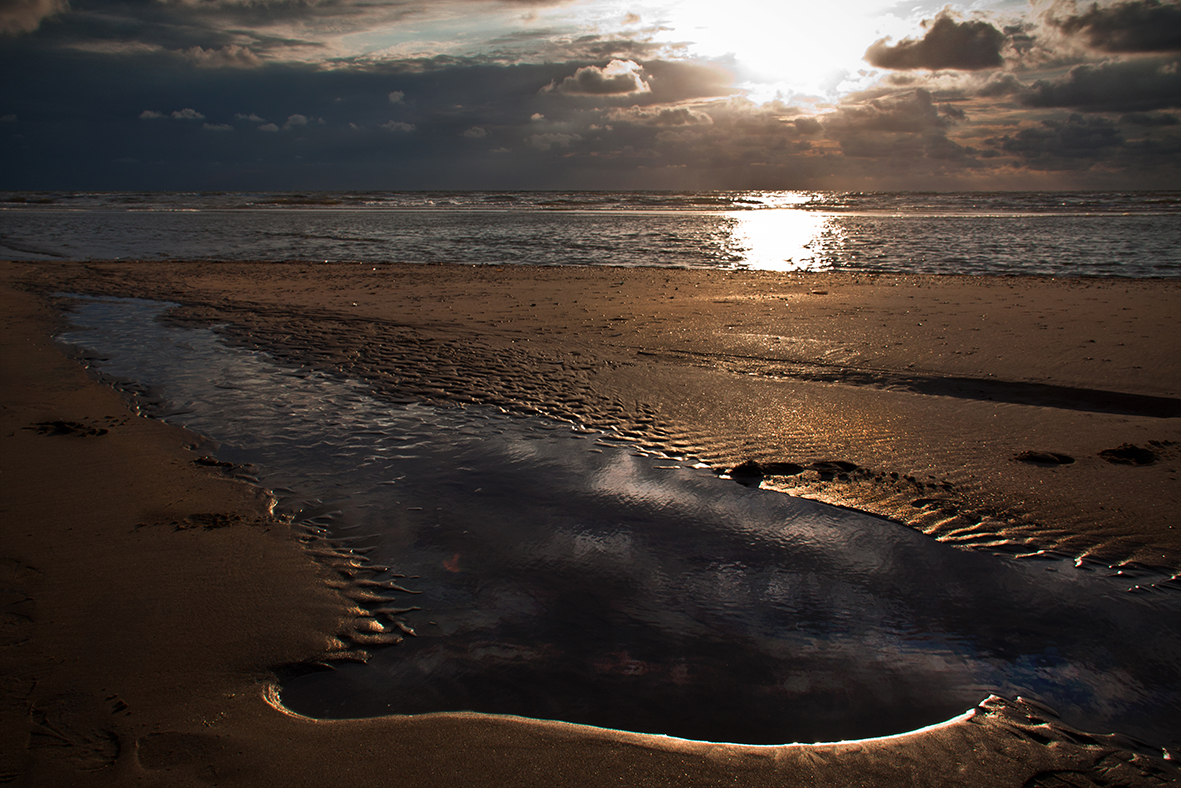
(559, 573)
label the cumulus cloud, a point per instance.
(1118, 85)
(297, 120)
(910, 113)
(808, 125)
(230, 56)
(150, 114)
(948, 44)
(665, 116)
(25, 16)
(1150, 119)
(1056, 144)
(544, 142)
(396, 96)
(1000, 85)
(398, 126)
(476, 132)
(617, 78)
(251, 117)
(1131, 26)
(907, 125)
(188, 113)
(217, 127)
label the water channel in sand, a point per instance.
(562, 574)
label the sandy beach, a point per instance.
(151, 601)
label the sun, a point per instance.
(783, 49)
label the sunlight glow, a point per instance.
(801, 49)
(780, 239)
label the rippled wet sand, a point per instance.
(930, 389)
(559, 574)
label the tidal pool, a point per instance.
(558, 573)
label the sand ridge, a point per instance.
(151, 601)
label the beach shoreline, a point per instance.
(726, 366)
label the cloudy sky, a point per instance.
(659, 94)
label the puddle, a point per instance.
(559, 574)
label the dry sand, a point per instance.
(149, 600)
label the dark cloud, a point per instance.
(913, 112)
(25, 16)
(1119, 85)
(665, 116)
(230, 56)
(139, 94)
(1132, 26)
(617, 78)
(1075, 143)
(808, 125)
(544, 142)
(904, 126)
(1001, 85)
(947, 44)
(1150, 119)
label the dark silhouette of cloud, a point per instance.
(1120, 85)
(910, 112)
(1150, 119)
(25, 16)
(229, 56)
(903, 126)
(1001, 85)
(948, 44)
(1131, 26)
(1078, 142)
(808, 125)
(665, 116)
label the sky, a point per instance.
(589, 94)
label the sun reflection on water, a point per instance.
(782, 240)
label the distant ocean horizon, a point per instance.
(1110, 234)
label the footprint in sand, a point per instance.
(1129, 455)
(1044, 458)
(170, 750)
(61, 427)
(71, 725)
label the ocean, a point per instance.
(1071, 234)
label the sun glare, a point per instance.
(778, 239)
(812, 49)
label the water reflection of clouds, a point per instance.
(780, 240)
(556, 540)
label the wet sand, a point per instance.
(150, 600)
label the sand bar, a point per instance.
(150, 600)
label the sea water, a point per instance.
(554, 572)
(1129, 234)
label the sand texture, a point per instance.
(150, 600)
